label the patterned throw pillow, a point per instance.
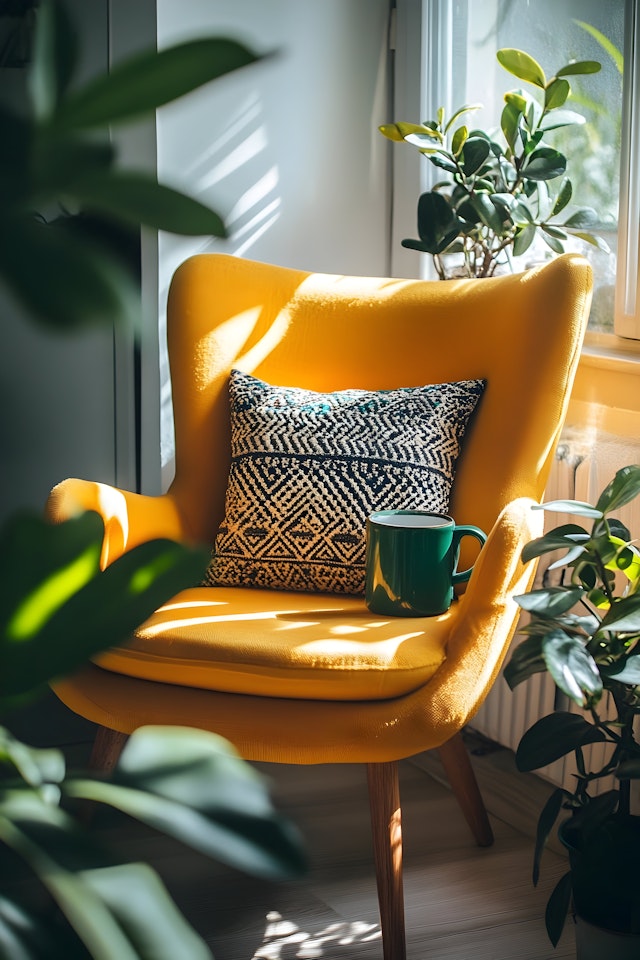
(308, 468)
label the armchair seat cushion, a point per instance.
(283, 644)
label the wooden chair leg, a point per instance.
(384, 798)
(107, 747)
(459, 771)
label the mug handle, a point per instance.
(458, 534)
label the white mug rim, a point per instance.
(393, 518)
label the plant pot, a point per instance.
(605, 878)
(596, 943)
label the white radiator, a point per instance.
(584, 464)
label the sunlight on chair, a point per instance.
(286, 934)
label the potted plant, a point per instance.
(585, 632)
(499, 195)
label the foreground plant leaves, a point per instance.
(190, 784)
(57, 609)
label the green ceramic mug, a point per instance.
(411, 562)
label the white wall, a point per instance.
(286, 150)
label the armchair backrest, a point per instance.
(522, 333)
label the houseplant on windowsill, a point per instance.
(499, 196)
(585, 632)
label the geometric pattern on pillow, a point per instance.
(308, 468)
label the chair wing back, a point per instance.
(522, 333)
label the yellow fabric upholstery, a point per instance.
(309, 679)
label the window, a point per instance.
(458, 65)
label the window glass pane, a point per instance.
(555, 32)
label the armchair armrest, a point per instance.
(129, 518)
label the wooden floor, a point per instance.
(462, 902)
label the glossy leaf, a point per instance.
(564, 537)
(550, 601)
(468, 108)
(552, 231)
(525, 661)
(391, 132)
(140, 199)
(563, 198)
(623, 615)
(545, 163)
(437, 224)
(624, 671)
(556, 94)
(459, 139)
(557, 908)
(192, 785)
(572, 667)
(591, 239)
(476, 150)
(624, 488)
(522, 65)
(510, 124)
(554, 736)
(139, 903)
(523, 240)
(486, 211)
(629, 769)
(150, 80)
(561, 118)
(579, 67)
(66, 597)
(585, 217)
(419, 135)
(35, 765)
(577, 507)
(546, 821)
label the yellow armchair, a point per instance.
(314, 678)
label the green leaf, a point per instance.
(554, 232)
(547, 818)
(581, 66)
(55, 52)
(476, 150)
(564, 196)
(442, 161)
(510, 123)
(553, 737)
(585, 217)
(624, 488)
(523, 239)
(150, 80)
(545, 163)
(139, 198)
(487, 212)
(564, 537)
(550, 602)
(68, 599)
(572, 667)
(561, 118)
(556, 94)
(438, 226)
(577, 507)
(525, 661)
(103, 291)
(523, 66)
(459, 139)
(139, 902)
(192, 785)
(594, 241)
(419, 135)
(35, 765)
(558, 908)
(624, 671)
(466, 109)
(624, 615)
(391, 132)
